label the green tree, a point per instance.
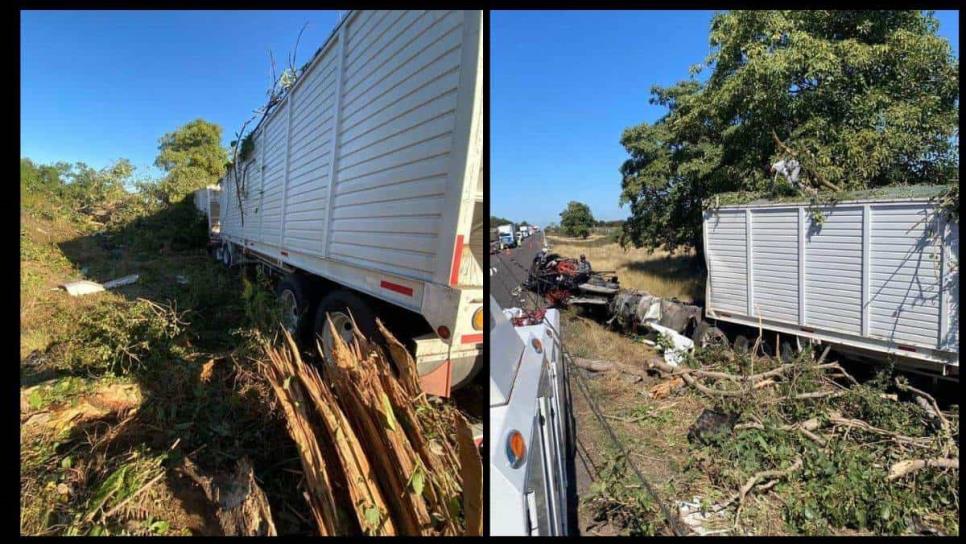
(860, 98)
(193, 158)
(90, 188)
(498, 221)
(576, 219)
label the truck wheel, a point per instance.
(742, 345)
(342, 307)
(295, 301)
(464, 371)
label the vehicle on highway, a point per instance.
(876, 274)
(508, 237)
(531, 429)
(362, 189)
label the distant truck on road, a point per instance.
(877, 274)
(363, 191)
(508, 237)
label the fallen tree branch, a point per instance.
(805, 427)
(935, 412)
(903, 468)
(837, 419)
(596, 365)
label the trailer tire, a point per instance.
(742, 345)
(345, 308)
(295, 291)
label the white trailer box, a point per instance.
(208, 201)
(368, 173)
(876, 272)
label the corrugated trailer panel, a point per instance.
(273, 169)
(727, 261)
(252, 189)
(905, 275)
(950, 323)
(306, 197)
(775, 264)
(395, 140)
(833, 270)
(880, 275)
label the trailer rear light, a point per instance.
(443, 332)
(478, 319)
(537, 345)
(516, 449)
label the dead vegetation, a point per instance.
(397, 463)
(805, 440)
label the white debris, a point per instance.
(696, 518)
(511, 313)
(86, 287)
(82, 287)
(680, 344)
(126, 280)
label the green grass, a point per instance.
(156, 334)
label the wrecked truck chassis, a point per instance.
(561, 282)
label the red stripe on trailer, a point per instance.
(907, 348)
(408, 291)
(471, 339)
(454, 269)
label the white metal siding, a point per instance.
(306, 198)
(727, 260)
(775, 264)
(395, 138)
(950, 334)
(905, 275)
(273, 169)
(833, 270)
(880, 275)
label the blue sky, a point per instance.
(563, 87)
(100, 85)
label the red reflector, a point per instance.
(443, 332)
(285, 253)
(408, 291)
(471, 339)
(454, 269)
(807, 329)
(907, 348)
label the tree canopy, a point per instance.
(193, 158)
(576, 219)
(861, 99)
(498, 221)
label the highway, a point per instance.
(508, 270)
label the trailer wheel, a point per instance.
(344, 308)
(742, 345)
(295, 301)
